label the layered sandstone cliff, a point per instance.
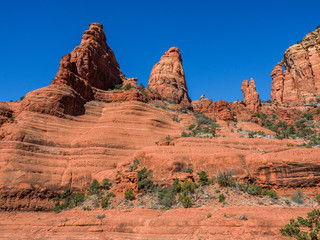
(250, 96)
(167, 77)
(42, 152)
(299, 82)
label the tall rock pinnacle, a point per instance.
(250, 95)
(167, 77)
(89, 67)
(300, 80)
(92, 61)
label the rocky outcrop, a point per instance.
(219, 109)
(250, 96)
(5, 112)
(167, 78)
(90, 66)
(299, 82)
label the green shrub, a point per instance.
(129, 195)
(204, 120)
(110, 195)
(222, 198)
(287, 201)
(225, 179)
(243, 217)
(67, 200)
(184, 134)
(270, 193)
(144, 182)
(128, 86)
(254, 189)
(104, 202)
(318, 198)
(141, 85)
(101, 216)
(297, 197)
(308, 116)
(86, 208)
(188, 187)
(191, 126)
(186, 201)
(94, 187)
(118, 86)
(296, 229)
(176, 185)
(176, 119)
(203, 178)
(168, 138)
(251, 134)
(166, 197)
(183, 109)
(106, 184)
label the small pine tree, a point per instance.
(94, 187)
(295, 229)
(203, 178)
(129, 195)
(186, 201)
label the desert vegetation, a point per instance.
(222, 189)
(304, 128)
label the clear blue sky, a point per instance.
(222, 42)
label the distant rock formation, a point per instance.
(167, 78)
(250, 96)
(300, 81)
(220, 109)
(90, 67)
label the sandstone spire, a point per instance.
(92, 61)
(90, 66)
(250, 95)
(167, 77)
(300, 81)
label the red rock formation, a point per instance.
(5, 112)
(300, 81)
(219, 109)
(92, 62)
(41, 154)
(250, 96)
(167, 78)
(90, 66)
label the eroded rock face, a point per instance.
(300, 81)
(167, 77)
(219, 109)
(92, 61)
(250, 96)
(90, 66)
